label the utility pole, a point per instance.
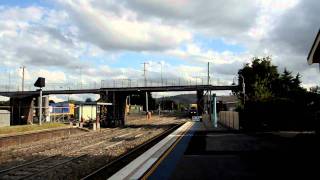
(22, 82)
(145, 84)
(9, 82)
(208, 73)
(80, 69)
(40, 107)
(161, 73)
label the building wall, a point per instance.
(4, 118)
(88, 112)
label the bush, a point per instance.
(277, 114)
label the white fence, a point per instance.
(229, 119)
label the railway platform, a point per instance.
(196, 151)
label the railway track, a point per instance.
(32, 169)
(110, 168)
(108, 146)
(59, 147)
(73, 138)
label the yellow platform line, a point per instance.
(167, 152)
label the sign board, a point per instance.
(41, 82)
(196, 118)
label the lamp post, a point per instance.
(161, 72)
(243, 88)
(22, 80)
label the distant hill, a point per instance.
(192, 98)
(181, 99)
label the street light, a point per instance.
(243, 88)
(22, 80)
(80, 72)
(161, 72)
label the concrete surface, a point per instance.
(221, 154)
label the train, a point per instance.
(62, 108)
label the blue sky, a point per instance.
(26, 3)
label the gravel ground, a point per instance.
(99, 147)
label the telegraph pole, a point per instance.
(80, 69)
(40, 107)
(161, 73)
(145, 84)
(208, 73)
(22, 82)
(9, 82)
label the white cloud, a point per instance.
(112, 32)
(193, 53)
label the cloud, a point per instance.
(291, 38)
(32, 36)
(295, 31)
(112, 32)
(218, 17)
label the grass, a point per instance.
(27, 128)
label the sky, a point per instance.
(72, 42)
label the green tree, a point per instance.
(89, 100)
(259, 77)
(139, 98)
(263, 81)
(275, 100)
(261, 90)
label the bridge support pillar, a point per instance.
(200, 102)
(21, 110)
(117, 112)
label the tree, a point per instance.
(4, 103)
(274, 100)
(89, 100)
(263, 81)
(261, 90)
(72, 101)
(259, 78)
(315, 89)
(139, 98)
(287, 85)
